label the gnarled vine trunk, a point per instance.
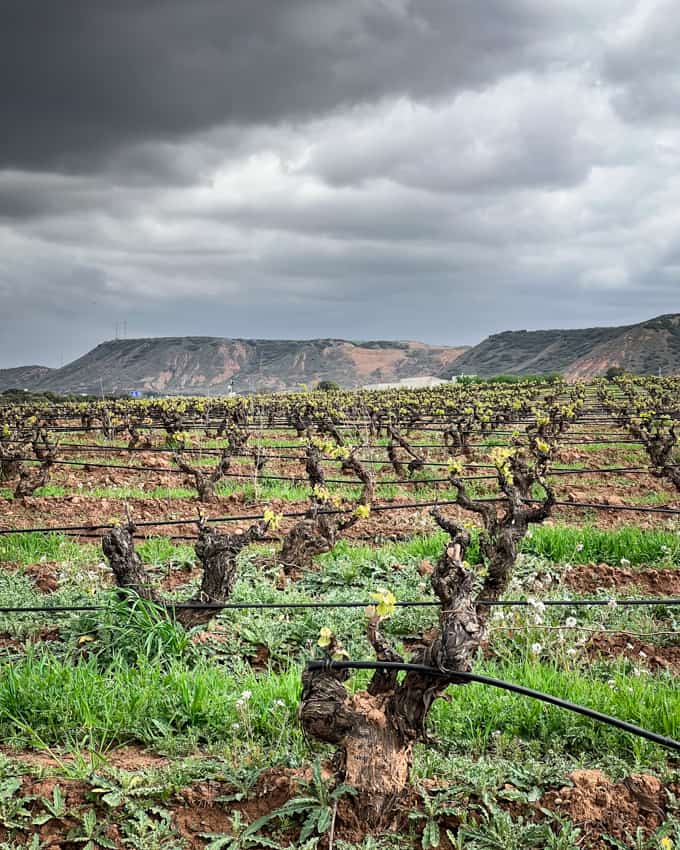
(217, 553)
(319, 530)
(375, 731)
(205, 480)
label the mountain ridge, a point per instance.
(196, 365)
(648, 347)
(204, 365)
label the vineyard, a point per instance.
(442, 617)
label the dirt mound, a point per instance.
(601, 807)
(203, 808)
(590, 577)
(45, 576)
(646, 654)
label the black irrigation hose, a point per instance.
(474, 443)
(609, 427)
(216, 450)
(374, 509)
(252, 474)
(330, 665)
(301, 477)
(433, 603)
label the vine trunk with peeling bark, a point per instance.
(318, 531)
(375, 730)
(31, 478)
(217, 552)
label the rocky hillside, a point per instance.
(647, 348)
(23, 377)
(208, 365)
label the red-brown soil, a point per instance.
(588, 578)
(592, 801)
(602, 807)
(645, 654)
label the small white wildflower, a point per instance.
(570, 622)
(246, 695)
(496, 733)
(235, 726)
(611, 683)
(536, 648)
(625, 562)
(571, 651)
(539, 608)
(612, 603)
(579, 547)
(279, 703)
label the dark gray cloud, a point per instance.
(366, 168)
(82, 78)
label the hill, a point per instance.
(650, 348)
(23, 377)
(208, 365)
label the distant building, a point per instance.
(422, 381)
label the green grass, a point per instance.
(140, 680)
(266, 489)
(625, 453)
(639, 546)
(559, 544)
(49, 491)
(136, 678)
(32, 547)
(477, 711)
(161, 551)
(122, 492)
(654, 498)
(167, 707)
(173, 707)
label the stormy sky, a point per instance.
(392, 169)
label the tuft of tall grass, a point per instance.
(587, 544)
(556, 543)
(48, 701)
(33, 547)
